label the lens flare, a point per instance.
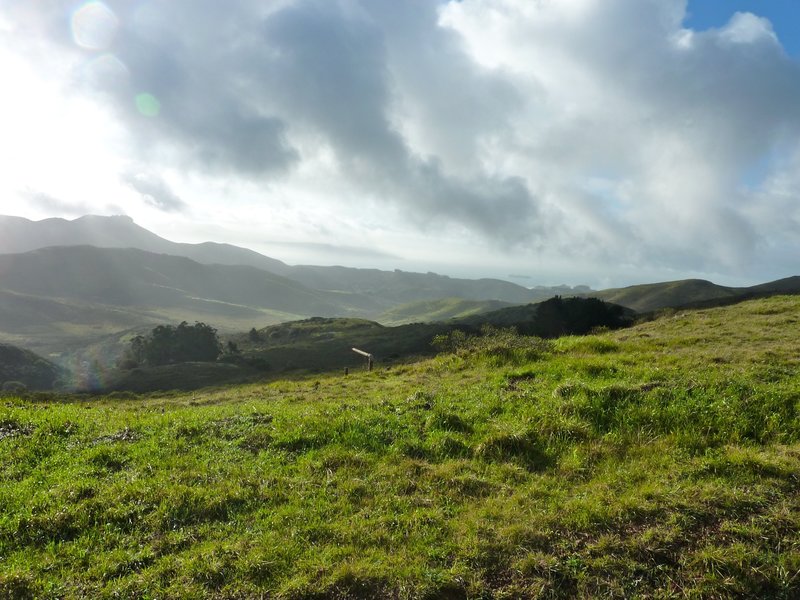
(148, 105)
(89, 371)
(94, 26)
(106, 72)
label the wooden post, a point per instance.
(367, 355)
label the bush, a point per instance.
(499, 345)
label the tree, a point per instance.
(166, 344)
(574, 316)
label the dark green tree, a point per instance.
(166, 344)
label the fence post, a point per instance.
(367, 355)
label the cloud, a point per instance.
(337, 250)
(154, 191)
(671, 118)
(237, 88)
(57, 206)
(602, 132)
(332, 69)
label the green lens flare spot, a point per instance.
(148, 105)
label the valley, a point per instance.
(79, 305)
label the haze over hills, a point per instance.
(690, 292)
(438, 310)
(653, 296)
(23, 235)
(376, 290)
(131, 277)
(68, 285)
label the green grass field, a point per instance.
(658, 461)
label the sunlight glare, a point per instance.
(148, 105)
(106, 72)
(94, 26)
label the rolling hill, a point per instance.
(129, 277)
(371, 291)
(20, 366)
(690, 293)
(438, 310)
(652, 296)
(19, 235)
(322, 344)
(55, 299)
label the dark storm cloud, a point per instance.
(154, 191)
(186, 56)
(233, 87)
(332, 70)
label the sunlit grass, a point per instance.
(658, 461)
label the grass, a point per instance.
(438, 310)
(660, 461)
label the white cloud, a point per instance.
(580, 135)
(154, 191)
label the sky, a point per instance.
(599, 142)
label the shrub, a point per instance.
(497, 344)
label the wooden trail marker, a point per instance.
(367, 355)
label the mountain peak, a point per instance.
(18, 235)
(100, 218)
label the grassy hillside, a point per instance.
(55, 299)
(438, 310)
(324, 344)
(656, 461)
(19, 366)
(128, 277)
(387, 289)
(687, 293)
(652, 296)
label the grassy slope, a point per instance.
(653, 296)
(320, 344)
(658, 461)
(438, 310)
(23, 366)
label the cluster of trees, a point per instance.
(167, 344)
(574, 316)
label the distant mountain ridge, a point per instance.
(18, 235)
(689, 293)
(132, 277)
(371, 290)
(66, 283)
